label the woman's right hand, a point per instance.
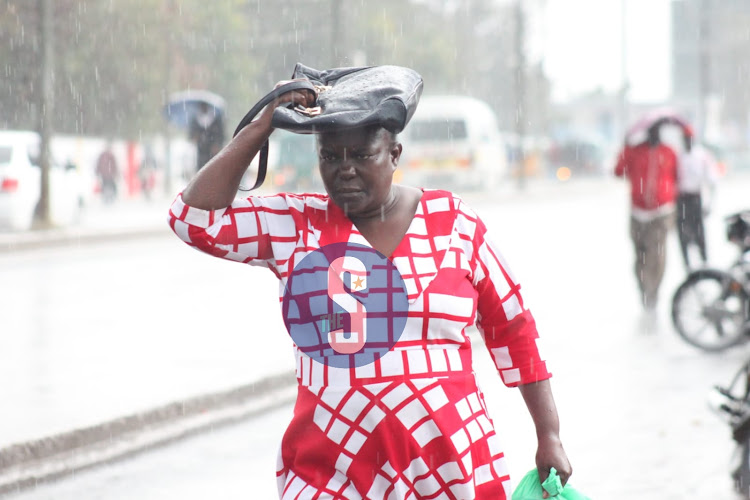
(304, 98)
(216, 184)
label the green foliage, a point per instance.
(19, 65)
(117, 61)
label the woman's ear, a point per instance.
(396, 154)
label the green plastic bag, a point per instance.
(530, 488)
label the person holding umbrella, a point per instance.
(201, 114)
(207, 131)
(651, 168)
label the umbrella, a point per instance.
(636, 133)
(182, 106)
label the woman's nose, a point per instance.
(346, 169)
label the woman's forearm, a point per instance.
(216, 184)
(550, 452)
(541, 405)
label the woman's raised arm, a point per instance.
(216, 184)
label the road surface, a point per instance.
(633, 407)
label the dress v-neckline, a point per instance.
(362, 240)
(409, 230)
(416, 271)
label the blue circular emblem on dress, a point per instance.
(345, 305)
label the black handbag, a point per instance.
(346, 98)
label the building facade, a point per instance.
(711, 67)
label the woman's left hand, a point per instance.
(550, 453)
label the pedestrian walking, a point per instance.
(651, 169)
(696, 174)
(147, 171)
(407, 420)
(107, 172)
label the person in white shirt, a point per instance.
(696, 173)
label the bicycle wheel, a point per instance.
(710, 310)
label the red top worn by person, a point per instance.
(652, 172)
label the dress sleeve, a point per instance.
(508, 328)
(259, 230)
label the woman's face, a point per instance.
(357, 168)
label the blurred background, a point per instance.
(115, 336)
(562, 78)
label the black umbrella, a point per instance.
(183, 106)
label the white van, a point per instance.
(452, 142)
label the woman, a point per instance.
(411, 422)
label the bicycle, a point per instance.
(732, 404)
(711, 308)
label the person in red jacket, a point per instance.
(651, 168)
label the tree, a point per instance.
(119, 60)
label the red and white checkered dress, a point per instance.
(413, 424)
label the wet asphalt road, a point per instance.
(632, 405)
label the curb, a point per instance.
(14, 242)
(76, 236)
(24, 465)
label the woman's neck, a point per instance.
(384, 211)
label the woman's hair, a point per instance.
(392, 137)
(376, 129)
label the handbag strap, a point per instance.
(265, 101)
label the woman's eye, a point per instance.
(362, 156)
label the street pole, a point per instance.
(46, 107)
(335, 31)
(168, 84)
(704, 87)
(623, 97)
(520, 93)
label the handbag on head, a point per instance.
(386, 96)
(354, 97)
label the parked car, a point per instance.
(292, 164)
(577, 156)
(20, 183)
(296, 166)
